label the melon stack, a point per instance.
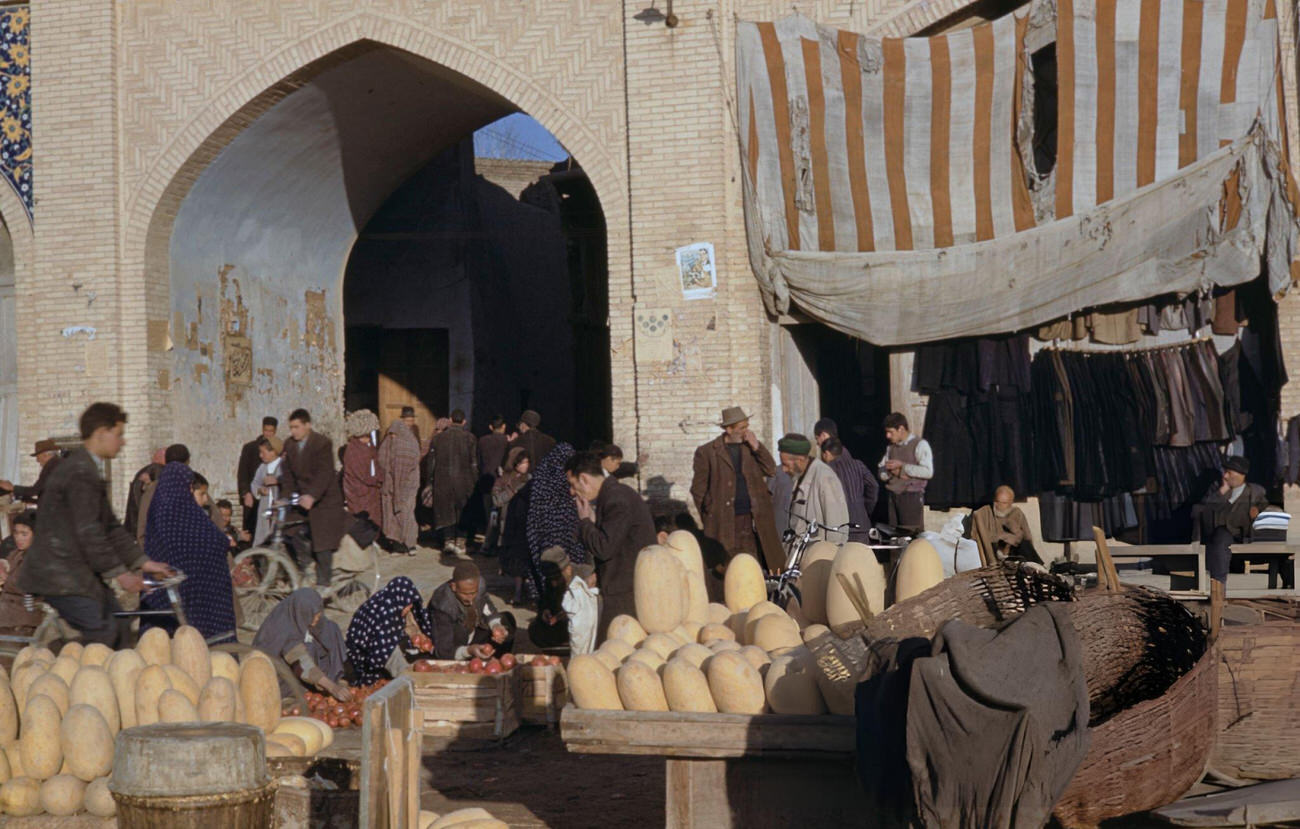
(682, 653)
(59, 716)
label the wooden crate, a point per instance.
(543, 691)
(735, 770)
(470, 706)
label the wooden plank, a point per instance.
(1259, 805)
(695, 794)
(709, 736)
(390, 759)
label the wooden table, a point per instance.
(1278, 553)
(725, 770)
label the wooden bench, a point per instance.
(1277, 552)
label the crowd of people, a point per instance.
(560, 523)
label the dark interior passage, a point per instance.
(853, 386)
(481, 284)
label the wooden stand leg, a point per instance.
(696, 794)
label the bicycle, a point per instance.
(783, 586)
(277, 575)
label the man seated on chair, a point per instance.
(1226, 516)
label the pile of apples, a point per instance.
(341, 714)
(479, 666)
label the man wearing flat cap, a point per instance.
(817, 495)
(1227, 514)
(531, 437)
(47, 455)
(730, 491)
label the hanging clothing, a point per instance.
(378, 627)
(399, 456)
(183, 535)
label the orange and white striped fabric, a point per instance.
(1147, 87)
(852, 143)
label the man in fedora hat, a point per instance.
(47, 455)
(1227, 515)
(730, 491)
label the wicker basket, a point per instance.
(1259, 702)
(1147, 755)
(250, 809)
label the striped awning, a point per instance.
(886, 195)
(1146, 87)
(871, 144)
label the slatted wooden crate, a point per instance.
(469, 706)
(543, 691)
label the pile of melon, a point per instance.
(59, 716)
(747, 656)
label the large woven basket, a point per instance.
(1259, 702)
(1147, 755)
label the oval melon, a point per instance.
(685, 687)
(311, 736)
(72, 650)
(99, 800)
(175, 707)
(607, 658)
(639, 687)
(259, 688)
(720, 645)
(21, 797)
(217, 701)
(183, 682)
(815, 578)
(713, 632)
(8, 714)
(735, 684)
(919, 569)
(859, 565)
(618, 648)
(29, 653)
(646, 657)
(93, 686)
(39, 744)
(593, 684)
(776, 631)
(13, 756)
(694, 653)
(149, 686)
(62, 795)
(757, 657)
(719, 614)
(5, 772)
(85, 741)
(657, 581)
(66, 668)
(756, 614)
(96, 653)
(155, 647)
(791, 684)
(686, 549)
(123, 671)
(627, 629)
(53, 687)
(661, 644)
(743, 584)
(190, 653)
(223, 664)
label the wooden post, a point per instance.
(390, 759)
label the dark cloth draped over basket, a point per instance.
(977, 728)
(183, 535)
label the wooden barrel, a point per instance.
(191, 775)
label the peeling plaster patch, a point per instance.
(164, 380)
(318, 330)
(73, 330)
(200, 369)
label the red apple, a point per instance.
(539, 662)
(476, 665)
(553, 660)
(508, 661)
(423, 666)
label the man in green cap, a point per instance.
(818, 495)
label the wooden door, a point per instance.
(414, 370)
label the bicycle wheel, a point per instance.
(277, 577)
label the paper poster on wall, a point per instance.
(654, 335)
(697, 270)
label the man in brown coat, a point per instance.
(454, 468)
(309, 470)
(730, 491)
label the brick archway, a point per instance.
(154, 199)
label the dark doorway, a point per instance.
(853, 386)
(396, 367)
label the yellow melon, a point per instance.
(685, 687)
(639, 687)
(593, 684)
(857, 562)
(658, 579)
(735, 684)
(815, 578)
(86, 742)
(743, 584)
(919, 569)
(686, 549)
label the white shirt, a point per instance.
(264, 502)
(1235, 493)
(924, 466)
(583, 609)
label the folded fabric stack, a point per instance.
(1271, 525)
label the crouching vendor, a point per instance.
(465, 622)
(298, 634)
(385, 628)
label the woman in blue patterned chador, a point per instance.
(183, 535)
(393, 614)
